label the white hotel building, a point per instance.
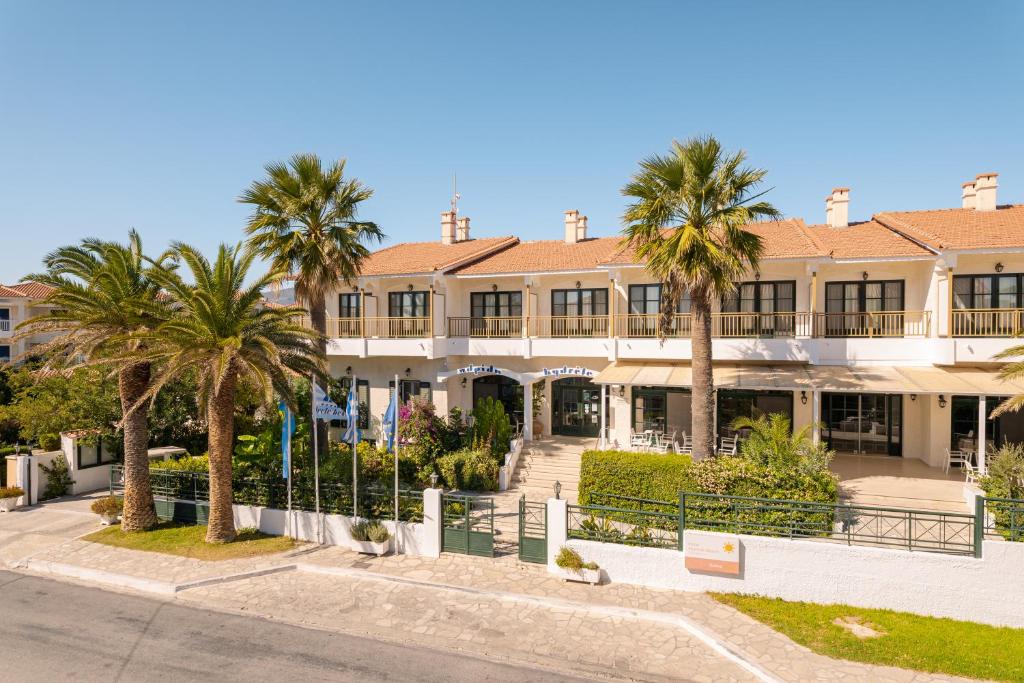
(883, 331)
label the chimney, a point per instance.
(462, 229)
(581, 229)
(838, 209)
(572, 226)
(447, 227)
(970, 200)
(828, 210)
(985, 190)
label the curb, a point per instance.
(140, 584)
(715, 643)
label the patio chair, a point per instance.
(970, 474)
(638, 441)
(956, 458)
(728, 445)
(687, 447)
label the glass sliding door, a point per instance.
(764, 305)
(848, 306)
(863, 423)
(733, 403)
(578, 312)
(576, 407)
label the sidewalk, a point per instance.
(496, 608)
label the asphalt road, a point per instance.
(51, 630)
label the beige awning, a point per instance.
(882, 379)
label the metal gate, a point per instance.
(468, 525)
(533, 531)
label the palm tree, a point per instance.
(1012, 371)
(104, 292)
(687, 222)
(223, 333)
(304, 222)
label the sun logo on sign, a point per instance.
(728, 547)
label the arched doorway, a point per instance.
(504, 389)
(575, 407)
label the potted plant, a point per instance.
(9, 496)
(108, 508)
(370, 538)
(575, 569)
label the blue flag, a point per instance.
(352, 415)
(389, 423)
(323, 407)
(287, 429)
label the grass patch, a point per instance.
(189, 540)
(960, 648)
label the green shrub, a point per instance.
(638, 475)
(370, 531)
(49, 442)
(737, 476)
(492, 429)
(188, 463)
(469, 470)
(11, 492)
(772, 443)
(58, 477)
(1005, 477)
(571, 560)
(108, 505)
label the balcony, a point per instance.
(486, 328)
(377, 328)
(723, 325)
(873, 324)
(987, 322)
(6, 326)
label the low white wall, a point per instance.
(506, 473)
(931, 584)
(423, 538)
(90, 479)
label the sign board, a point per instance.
(712, 553)
(566, 371)
(478, 370)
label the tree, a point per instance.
(304, 222)
(223, 333)
(688, 224)
(1013, 372)
(103, 294)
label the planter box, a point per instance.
(8, 504)
(591, 576)
(371, 548)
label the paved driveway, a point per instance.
(30, 530)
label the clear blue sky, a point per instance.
(156, 115)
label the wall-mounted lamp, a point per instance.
(578, 284)
(622, 391)
(355, 290)
(757, 276)
(408, 371)
(494, 288)
(558, 489)
(348, 371)
(803, 397)
(410, 287)
(942, 401)
(463, 382)
(913, 397)
(999, 267)
(864, 275)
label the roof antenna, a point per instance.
(455, 195)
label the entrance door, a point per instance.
(863, 423)
(576, 407)
(504, 389)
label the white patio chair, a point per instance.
(956, 458)
(687, 447)
(728, 445)
(638, 441)
(970, 474)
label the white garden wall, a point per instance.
(982, 590)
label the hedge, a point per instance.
(638, 475)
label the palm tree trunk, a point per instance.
(221, 417)
(318, 316)
(139, 513)
(703, 404)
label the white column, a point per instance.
(528, 411)
(433, 521)
(558, 530)
(602, 442)
(982, 414)
(816, 416)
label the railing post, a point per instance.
(979, 524)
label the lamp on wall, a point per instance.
(864, 275)
(408, 371)
(803, 397)
(463, 382)
(622, 391)
(578, 284)
(348, 371)
(942, 401)
(757, 276)
(494, 288)
(410, 287)
(913, 397)
(999, 267)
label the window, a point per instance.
(863, 423)
(95, 454)
(410, 389)
(988, 291)
(362, 395)
(646, 300)
(407, 304)
(496, 304)
(846, 302)
(348, 305)
(5, 353)
(738, 403)
(767, 299)
(574, 303)
(661, 409)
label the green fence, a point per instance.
(1005, 517)
(533, 531)
(646, 528)
(468, 525)
(184, 496)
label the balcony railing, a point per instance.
(988, 322)
(569, 326)
(873, 324)
(380, 328)
(723, 325)
(5, 326)
(492, 328)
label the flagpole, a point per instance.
(355, 456)
(288, 426)
(316, 455)
(397, 413)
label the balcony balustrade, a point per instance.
(873, 324)
(988, 322)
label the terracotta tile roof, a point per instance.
(788, 238)
(545, 256)
(960, 228)
(869, 239)
(429, 257)
(32, 290)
